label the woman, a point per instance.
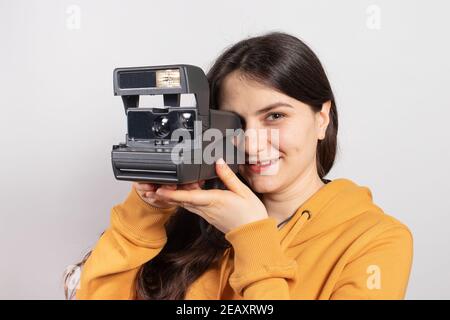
(291, 234)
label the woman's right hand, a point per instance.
(147, 192)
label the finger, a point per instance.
(230, 179)
(157, 198)
(187, 186)
(169, 186)
(192, 197)
(144, 186)
(196, 185)
(149, 194)
(191, 186)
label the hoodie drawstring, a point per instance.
(293, 232)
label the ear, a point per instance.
(323, 119)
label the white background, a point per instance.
(59, 117)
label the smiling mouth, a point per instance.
(262, 165)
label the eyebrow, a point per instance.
(273, 106)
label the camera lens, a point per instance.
(187, 120)
(161, 127)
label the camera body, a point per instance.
(166, 145)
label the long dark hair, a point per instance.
(280, 61)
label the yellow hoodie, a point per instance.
(338, 245)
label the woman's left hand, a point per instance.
(225, 209)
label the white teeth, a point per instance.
(265, 163)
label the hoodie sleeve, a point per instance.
(381, 271)
(135, 236)
(261, 269)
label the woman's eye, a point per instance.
(275, 116)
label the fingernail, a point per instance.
(220, 161)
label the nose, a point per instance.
(256, 143)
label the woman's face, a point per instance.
(264, 113)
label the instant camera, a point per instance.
(165, 144)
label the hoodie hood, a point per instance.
(335, 203)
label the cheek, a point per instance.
(291, 140)
(297, 141)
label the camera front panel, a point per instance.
(154, 123)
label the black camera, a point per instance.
(169, 144)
